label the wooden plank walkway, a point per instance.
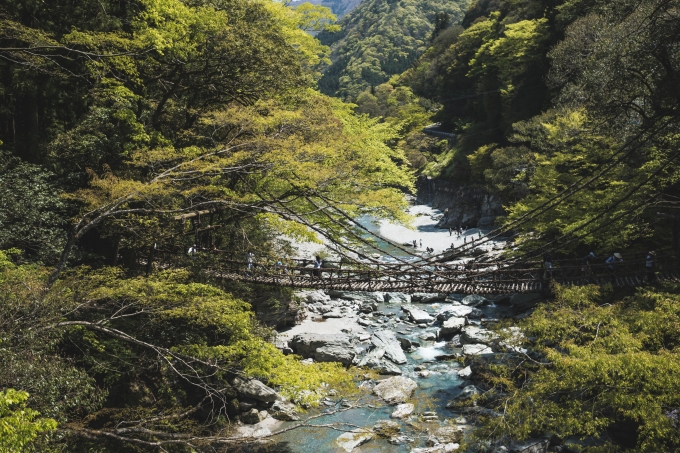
(478, 282)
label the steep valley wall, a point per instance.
(471, 206)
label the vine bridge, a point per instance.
(479, 278)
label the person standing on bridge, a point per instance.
(249, 258)
(547, 267)
(317, 266)
(192, 252)
(649, 266)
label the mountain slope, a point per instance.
(381, 38)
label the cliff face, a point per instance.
(469, 206)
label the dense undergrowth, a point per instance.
(601, 366)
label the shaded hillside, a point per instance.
(381, 38)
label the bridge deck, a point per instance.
(487, 278)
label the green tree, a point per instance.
(19, 425)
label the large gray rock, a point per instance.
(356, 296)
(386, 428)
(452, 326)
(375, 361)
(335, 353)
(476, 335)
(402, 410)
(530, 446)
(395, 390)
(335, 313)
(417, 315)
(254, 416)
(465, 373)
(428, 298)
(386, 340)
(405, 343)
(476, 349)
(351, 440)
(464, 397)
(459, 311)
(313, 297)
(252, 388)
(474, 300)
(306, 344)
(284, 410)
(397, 298)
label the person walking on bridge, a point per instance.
(317, 266)
(613, 260)
(586, 271)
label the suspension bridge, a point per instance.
(471, 278)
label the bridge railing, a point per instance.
(574, 274)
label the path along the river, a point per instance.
(431, 332)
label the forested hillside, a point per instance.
(381, 38)
(569, 111)
(133, 131)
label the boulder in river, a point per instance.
(465, 373)
(335, 353)
(306, 344)
(375, 361)
(397, 298)
(252, 388)
(417, 315)
(405, 343)
(476, 335)
(395, 390)
(386, 428)
(476, 349)
(459, 311)
(452, 326)
(428, 298)
(387, 340)
(474, 300)
(402, 410)
(351, 440)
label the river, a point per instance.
(429, 362)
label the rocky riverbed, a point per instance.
(413, 345)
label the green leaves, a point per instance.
(18, 424)
(606, 370)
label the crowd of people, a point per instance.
(612, 263)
